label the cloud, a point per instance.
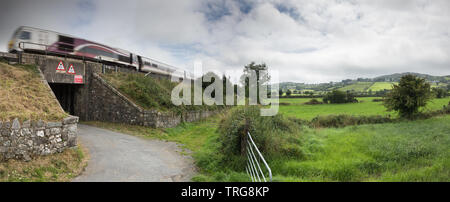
(307, 41)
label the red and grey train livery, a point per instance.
(39, 40)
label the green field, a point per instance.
(366, 107)
(359, 87)
(378, 86)
(405, 151)
(401, 151)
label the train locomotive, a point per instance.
(49, 42)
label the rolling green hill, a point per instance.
(359, 87)
(379, 83)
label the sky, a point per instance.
(309, 41)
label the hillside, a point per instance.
(364, 85)
(23, 95)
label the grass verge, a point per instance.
(60, 167)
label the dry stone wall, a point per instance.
(33, 138)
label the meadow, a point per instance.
(359, 86)
(377, 86)
(365, 106)
(402, 151)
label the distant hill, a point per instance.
(396, 77)
(380, 83)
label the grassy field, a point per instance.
(61, 167)
(378, 86)
(358, 86)
(405, 151)
(24, 96)
(366, 107)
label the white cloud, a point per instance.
(307, 41)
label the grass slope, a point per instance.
(379, 86)
(358, 87)
(150, 93)
(24, 96)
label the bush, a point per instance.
(377, 100)
(272, 134)
(343, 120)
(313, 102)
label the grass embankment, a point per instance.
(366, 107)
(24, 96)
(60, 167)
(150, 93)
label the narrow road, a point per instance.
(120, 157)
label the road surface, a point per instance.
(120, 157)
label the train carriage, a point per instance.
(34, 39)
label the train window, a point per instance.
(66, 39)
(65, 47)
(123, 58)
(25, 35)
(154, 65)
(97, 52)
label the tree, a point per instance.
(262, 77)
(439, 92)
(280, 93)
(337, 97)
(288, 93)
(408, 96)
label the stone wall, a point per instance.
(108, 104)
(32, 138)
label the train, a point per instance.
(50, 42)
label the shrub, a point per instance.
(408, 96)
(377, 100)
(343, 120)
(272, 134)
(313, 102)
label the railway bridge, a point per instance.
(82, 92)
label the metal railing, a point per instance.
(253, 167)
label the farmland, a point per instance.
(365, 106)
(377, 86)
(359, 87)
(401, 151)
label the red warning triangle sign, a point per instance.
(71, 70)
(60, 67)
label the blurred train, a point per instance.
(44, 41)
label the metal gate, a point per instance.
(253, 168)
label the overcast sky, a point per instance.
(306, 41)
